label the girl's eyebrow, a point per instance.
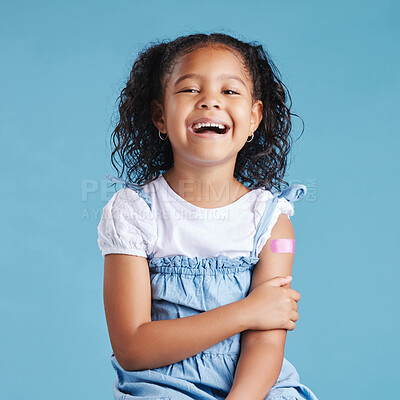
(222, 76)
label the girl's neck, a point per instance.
(205, 189)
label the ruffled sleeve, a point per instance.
(127, 225)
(284, 205)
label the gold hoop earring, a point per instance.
(252, 137)
(159, 135)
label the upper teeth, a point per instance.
(208, 124)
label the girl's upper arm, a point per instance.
(126, 236)
(270, 265)
(127, 299)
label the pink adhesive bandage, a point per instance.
(282, 245)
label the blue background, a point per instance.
(62, 67)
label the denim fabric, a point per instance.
(183, 286)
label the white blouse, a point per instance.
(174, 226)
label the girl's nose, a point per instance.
(209, 100)
(205, 105)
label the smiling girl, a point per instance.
(197, 302)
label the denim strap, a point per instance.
(137, 188)
(292, 193)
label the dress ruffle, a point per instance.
(201, 265)
(197, 284)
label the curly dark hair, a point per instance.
(260, 163)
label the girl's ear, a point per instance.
(157, 115)
(256, 115)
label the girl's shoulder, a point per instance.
(127, 225)
(271, 205)
(279, 201)
(131, 190)
(292, 193)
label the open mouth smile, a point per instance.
(209, 128)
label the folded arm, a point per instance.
(140, 343)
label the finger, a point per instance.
(291, 326)
(294, 294)
(294, 316)
(280, 280)
(295, 306)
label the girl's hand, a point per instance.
(271, 306)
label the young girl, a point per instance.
(198, 243)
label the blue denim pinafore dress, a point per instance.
(182, 286)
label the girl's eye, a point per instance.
(228, 91)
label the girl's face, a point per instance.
(208, 85)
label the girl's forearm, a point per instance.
(258, 369)
(159, 343)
